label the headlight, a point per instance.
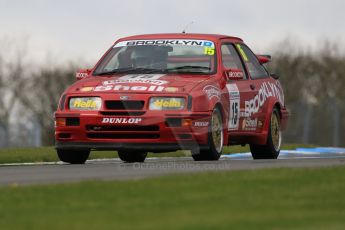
(85, 103)
(167, 103)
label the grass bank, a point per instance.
(260, 199)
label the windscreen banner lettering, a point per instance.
(173, 42)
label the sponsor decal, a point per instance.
(244, 114)
(267, 90)
(171, 89)
(86, 89)
(212, 91)
(281, 94)
(166, 42)
(233, 75)
(152, 79)
(85, 104)
(152, 88)
(260, 124)
(243, 54)
(249, 124)
(166, 103)
(121, 83)
(124, 97)
(234, 113)
(201, 123)
(163, 103)
(107, 120)
(81, 75)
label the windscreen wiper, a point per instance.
(127, 70)
(189, 67)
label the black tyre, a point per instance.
(73, 156)
(215, 137)
(272, 148)
(132, 156)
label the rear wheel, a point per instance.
(132, 156)
(73, 156)
(272, 148)
(215, 137)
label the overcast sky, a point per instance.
(84, 29)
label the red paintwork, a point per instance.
(263, 59)
(189, 86)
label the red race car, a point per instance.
(166, 92)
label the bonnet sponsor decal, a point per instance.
(116, 88)
(171, 89)
(86, 89)
(152, 79)
(153, 84)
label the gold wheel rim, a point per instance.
(276, 132)
(217, 131)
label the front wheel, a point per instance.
(272, 148)
(215, 137)
(132, 156)
(73, 156)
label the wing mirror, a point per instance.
(233, 74)
(83, 73)
(275, 76)
(263, 59)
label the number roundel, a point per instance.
(234, 113)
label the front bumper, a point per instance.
(155, 131)
(149, 147)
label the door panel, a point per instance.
(238, 90)
(255, 105)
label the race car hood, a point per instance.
(139, 83)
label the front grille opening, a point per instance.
(124, 105)
(72, 121)
(122, 136)
(129, 113)
(100, 128)
(64, 135)
(173, 122)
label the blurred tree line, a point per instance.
(29, 93)
(313, 84)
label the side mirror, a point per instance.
(82, 73)
(275, 76)
(234, 74)
(263, 59)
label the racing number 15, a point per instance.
(234, 113)
(209, 51)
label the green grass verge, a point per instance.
(260, 199)
(48, 154)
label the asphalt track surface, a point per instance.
(114, 169)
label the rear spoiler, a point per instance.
(264, 58)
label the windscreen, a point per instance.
(160, 56)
